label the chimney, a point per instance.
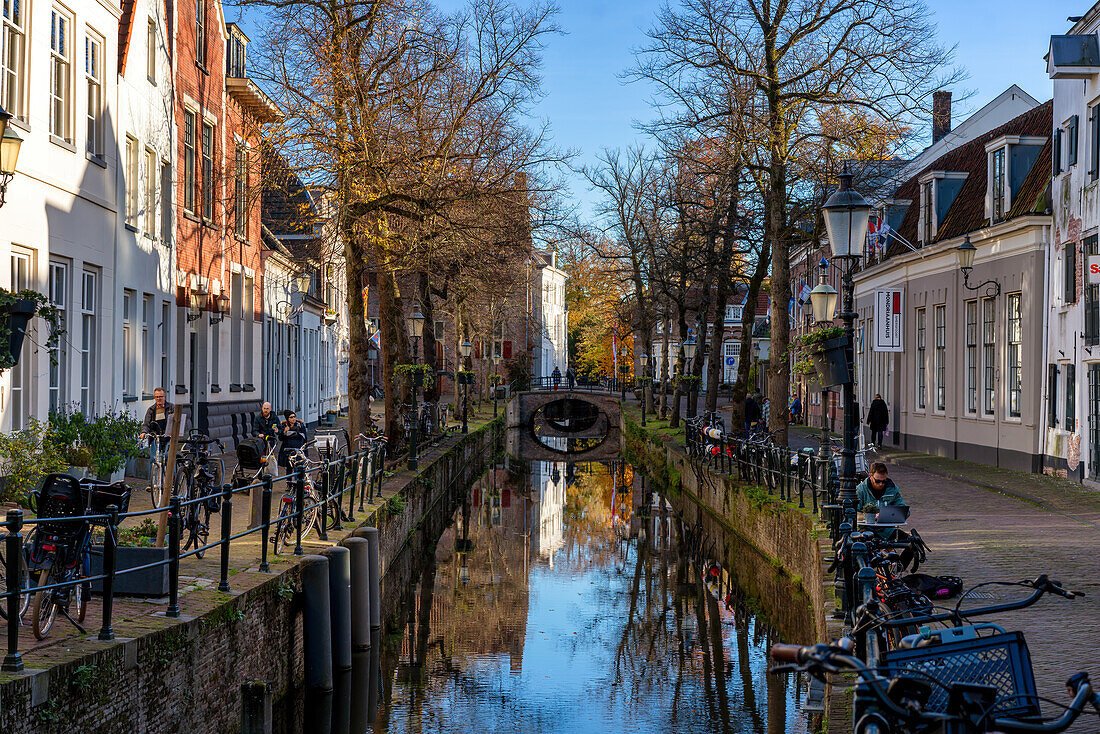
(941, 115)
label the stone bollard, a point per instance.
(316, 624)
(256, 699)
(339, 599)
(360, 593)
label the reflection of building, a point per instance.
(547, 483)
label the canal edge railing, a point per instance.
(133, 682)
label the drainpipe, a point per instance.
(1044, 361)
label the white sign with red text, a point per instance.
(888, 320)
(1092, 270)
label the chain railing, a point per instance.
(361, 472)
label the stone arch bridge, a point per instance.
(552, 425)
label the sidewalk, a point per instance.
(988, 524)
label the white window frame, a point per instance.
(190, 160)
(151, 51)
(22, 378)
(58, 292)
(940, 357)
(152, 178)
(131, 183)
(733, 313)
(89, 299)
(93, 78)
(1014, 352)
(13, 51)
(971, 377)
(61, 76)
(165, 343)
(148, 344)
(236, 296)
(207, 148)
(129, 356)
(165, 202)
(922, 358)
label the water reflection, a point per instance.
(571, 598)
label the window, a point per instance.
(235, 318)
(22, 388)
(733, 313)
(89, 295)
(128, 357)
(59, 290)
(148, 346)
(926, 210)
(165, 316)
(988, 355)
(207, 171)
(248, 317)
(13, 42)
(131, 183)
(922, 380)
(235, 57)
(1069, 268)
(1094, 139)
(997, 184)
(1072, 134)
(440, 327)
(1092, 297)
(1052, 395)
(151, 51)
(941, 357)
(93, 75)
(1071, 398)
(1015, 355)
(150, 192)
(240, 171)
(332, 297)
(1056, 154)
(200, 32)
(189, 161)
(60, 64)
(165, 202)
(972, 356)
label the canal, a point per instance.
(565, 597)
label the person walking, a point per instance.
(878, 418)
(752, 414)
(570, 376)
(796, 410)
(765, 410)
(265, 424)
(292, 435)
(555, 376)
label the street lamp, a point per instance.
(823, 297)
(9, 153)
(496, 382)
(465, 348)
(846, 216)
(624, 370)
(690, 346)
(645, 377)
(303, 280)
(221, 305)
(966, 252)
(416, 330)
(197, 301)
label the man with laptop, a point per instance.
(879, 489)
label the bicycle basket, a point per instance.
(101, 495)
(251, 452)
(325, 443)
(59, 496)
(1000, 660)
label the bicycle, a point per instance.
(289, 518)
(26, 581)
(196, 479)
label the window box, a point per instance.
(16, 318)
(831, 362)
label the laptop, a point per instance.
(892, 514)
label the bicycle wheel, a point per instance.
(198, 523)
(156, 483)
(44, 607)
(310, 514)
(284, 526)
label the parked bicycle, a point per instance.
(198, 476)
(290, 515)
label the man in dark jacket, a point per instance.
(752, 414)
(878, 418)
(266, 424)
(156, 418)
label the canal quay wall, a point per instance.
(186, 674)
(790, 538)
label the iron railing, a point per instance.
(359, 473)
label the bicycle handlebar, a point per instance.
(1041, 584)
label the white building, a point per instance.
(551, 346)
(1071, 419)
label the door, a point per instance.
(1094, 421)
(193, 377)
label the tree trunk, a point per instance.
(681, 322)
(391, 317)
(428, 340)
(359, 376)
(744, 358)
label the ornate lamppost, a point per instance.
(495, 380)
(416, 330)
(645, 378)
(465, 348)
(823, 304)
(690, 347)
(846, 216)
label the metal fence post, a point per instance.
(322, 515)
(173, 609)
(110, 540)
(336, 488)
(349, 485)
(299, 508)
(227, 531)
(265, 525)
(13, 661)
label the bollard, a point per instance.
(110, 541)
(256, 715)
(13, 661)
(339, 599)
(265, 519)
(360, 593)
(173, 609)
(227, 530)
(374, 563)
(316, 623)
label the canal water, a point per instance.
(573, 598)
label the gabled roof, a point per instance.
(967, 211)
(287, 208)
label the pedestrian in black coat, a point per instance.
(878, 418)
(292, 435)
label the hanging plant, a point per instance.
(804, 366)
(406, 372)
(688, 381)
(495, 379)
(817, 337)
(465, 377)
(16, 310)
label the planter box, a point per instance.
(148, 582)
(18, 317)
(831, 363)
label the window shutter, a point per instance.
(1070, 268)
(1052, 395)
(1071, 148)
(1057, 153)
(1071, 397)
(507, 351)
(1094, 141)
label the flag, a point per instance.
(803, 294)
(883, 233)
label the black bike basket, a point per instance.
(250, 453)
(102, 495)
(1000, 660)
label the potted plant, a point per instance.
(135, 548)
(826, 348)
(16, 311)
(419, 375)
(26, 456)
(870, 512)
(102, 444)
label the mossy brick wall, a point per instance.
(186, 677)
(787, 536)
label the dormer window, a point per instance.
(1009, 160)
(938, 190)
(997, 185)
(733, 313)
